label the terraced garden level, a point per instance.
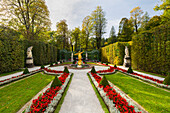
(153, 99)
(14, 96)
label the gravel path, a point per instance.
(80, 97)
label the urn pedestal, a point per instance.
(127, 62)
(29, 62)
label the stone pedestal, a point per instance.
(127, 62)
(29, 62)
(79, 66)
(72, 57)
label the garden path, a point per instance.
(156, 77)
(19, 73)
(80, 97)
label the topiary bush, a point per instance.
(51, 64)
(93, 70)
(42, 67)
(74, 61)
(130, 70)
(104, 81)
(115, 66)
(106, 63)
(56, 82)
(56, 63)
(167, 80)
(66, 69)
(26, 71)
(101, 62)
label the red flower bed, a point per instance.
(39, 105)
(52, 71)
(106, 71)
(120, 103)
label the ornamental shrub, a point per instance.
(26, 71)
(106, 63)
(130, 70)
(56, 82)
(56, 63)
(115, 66)
(101, 62)
(66, 69)
(167, 80)
(74, 61)
(93, 70)
(42, 67)
(51, 64)
(104, 81)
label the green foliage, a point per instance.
(66, 69)
(167, 80)
(56, 63)
(56, 82)
(74, 61)
(130, 70)
(42, 67)
(151, 50)
(93, 70)
(104, 81)
(114, 53)
(115, 66)
(26, 71)
(51, 64)
(106, 63)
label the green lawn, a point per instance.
(154, 100)
(63, 96)
(99, 97)
(14, 96)
(4, 74)
(91, 63)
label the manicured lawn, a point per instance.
(91, 63)
(14, 96)
(154, 100)
(62, 98)
(99, 97)
(4, 74)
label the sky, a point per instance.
(74, 11)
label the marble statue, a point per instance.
(127, 59)
(29, 59)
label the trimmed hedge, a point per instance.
(151, 50)
(114, 53)
(13, 53)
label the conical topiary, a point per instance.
(93, 70)
(51, 64)
(104, 81)
(42, 67)
(56, 63)
(106, 63)
(56, 82)
(26, 71)
(167, 80)
(130, 70)
(115, 66)
(66, 69)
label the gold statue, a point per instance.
(79, 57)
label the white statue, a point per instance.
(126, 51)
(29, 52)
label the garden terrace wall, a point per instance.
(114, 53)
(13, 53)
(151, 50)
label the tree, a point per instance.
(165, 6)
(86, 29)
(153, 22)
(62, 30)
(144, 20)
(76, 37)
(112, 38)
(30, 17)
(125, 30)
(99, 24)
(136, 17)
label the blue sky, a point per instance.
(74, 11)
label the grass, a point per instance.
(14, 96)
(91, 63)
(154, 100)
(151, 73)
(99, 97)
(12, 72)
(62, 98)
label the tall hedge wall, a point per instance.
(13, 53)
(114, 53)
(151, 50)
